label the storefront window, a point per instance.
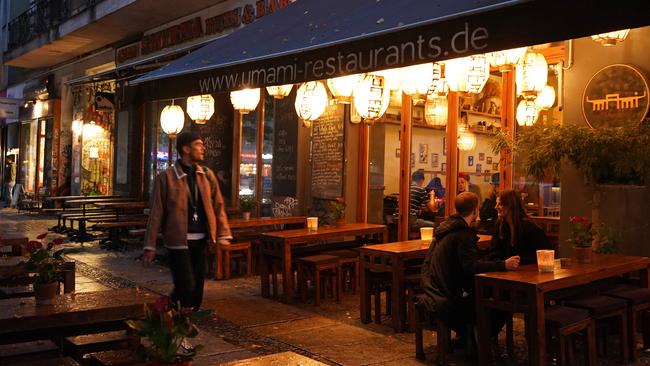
(96, 159)
(267, 157)
(248, 155)
(27, 167)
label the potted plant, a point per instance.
(165, 329)
(338, 211)
(48, 264)
(582, 237)
(246, 204)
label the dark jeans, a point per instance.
(188, 272)
(464, 314)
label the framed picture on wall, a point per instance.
(489, 160)
(443, 167)
(495, 166)
(486, 176)
(479, 168)
(424, 154)
(397, 152)
(481, 156)
(444, 146)
(470, 160)
(434, 160)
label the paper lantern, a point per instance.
(506, 60)
(93, 152)
(311, 101)
(200, 108)
(531, 75)
(343, 87)
(527, 113)
(279, 91)
(546, 98)
(391, 78)
(611, 38)
(371, 97)
(172, 119)
(245, 100)
(436, 111)
(416, 80)
(467, 74)
(466, 140)
(439, 86)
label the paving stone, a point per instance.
(292, 326)
(212, 360)
(333, 335)
(249, 312)
(369, 351)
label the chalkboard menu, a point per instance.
(327, 154)
(285, 149)
(217, 137)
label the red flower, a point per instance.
(161, 305)
(34, 245)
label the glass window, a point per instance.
(248, 155)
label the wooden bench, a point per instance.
(78, 346)
(114, 240)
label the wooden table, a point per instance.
(70, 314)
(120, 206)
(279, 244)
(392, 258)
(523, 291)
(276, 359)
(13, 274)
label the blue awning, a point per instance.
(316, 39)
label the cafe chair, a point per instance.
(638, 303)
(563, 322)
(349, 261)
(603, 308)
(319, 269)
(233, 251)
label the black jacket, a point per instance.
(531, 238)
(451, 263)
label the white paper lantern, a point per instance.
(506, 60)
(527, 113)
(611, 38)
(531, 75)
(311, 101)
(415, 80)
(439, 86)
(200, 108)
(546, 98)
(343, 87)
(391, 78)
(172, 119)
(467, 74)
(371, 97)
(466, 140)
(93, 152)
(245, 100)
(436, 110)
(279, 91)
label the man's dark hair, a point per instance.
(466, 203)
(11, 159)
(185, 138)
(418, 175)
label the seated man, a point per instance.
(420, 202)
(451, 263)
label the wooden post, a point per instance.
(508, 125)
(362, 179)
(236, 158)
(405, 169)
(259, 181)
(452, 153)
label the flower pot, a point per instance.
(246, 215)
(45, 292)
(583, 254)
(340, 222)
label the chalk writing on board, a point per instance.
(327, 154)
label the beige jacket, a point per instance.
(169, 208)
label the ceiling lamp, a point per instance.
(371, 97)
(466, 139)
(436, 111)
(467, 74)
(245, 100)
(311, 101)
(611, 38)
(200, 108)
(546, 98)
(527, 113)
(172, 119)
(506, 59)
(342, 87)
(279, 91)
(415, 80)
(531, 75)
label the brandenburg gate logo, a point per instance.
(615, 96)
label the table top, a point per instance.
(603, 266)
(122, 204)
(264, 221)
(323, 232)
(96, 199)
(276, 359)
(66, 198)
(399, 247)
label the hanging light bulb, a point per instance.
(506, 60)
(466, 139)
(245, 100)
(611, 38)
(527, 113)
(371, 97)
(467, 74)
(436, 111)
(311, 101)
(439, 86)
(200, 108)
(279, 91)
(531, 75)
(342, 87)
(546, 98)
(172, 119)
(415, 80)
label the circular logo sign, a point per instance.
(615, 96)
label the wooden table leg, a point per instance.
(384, 236)
(397, 293)
(537, 330)
(287, 278)
(218, 271)
(265, 265)
(482, 325)
(364, 292)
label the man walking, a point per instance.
(10, 179)
(187, 205)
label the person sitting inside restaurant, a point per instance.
(464, 185)
(488, 212)
(450, 265)
(420, 202)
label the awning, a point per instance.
(315, 39)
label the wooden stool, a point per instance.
(314, 267)
(225, 254)
(562, 322)
(349, 261)
(604, 307)
(380, 283)
(638, 302)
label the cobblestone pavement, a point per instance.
(245, 324)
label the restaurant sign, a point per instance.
(616, 96)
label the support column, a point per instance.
(259, 164)
(405, 168)
(508, 123)
(236, 158)
(452, 154)
(362, 179)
